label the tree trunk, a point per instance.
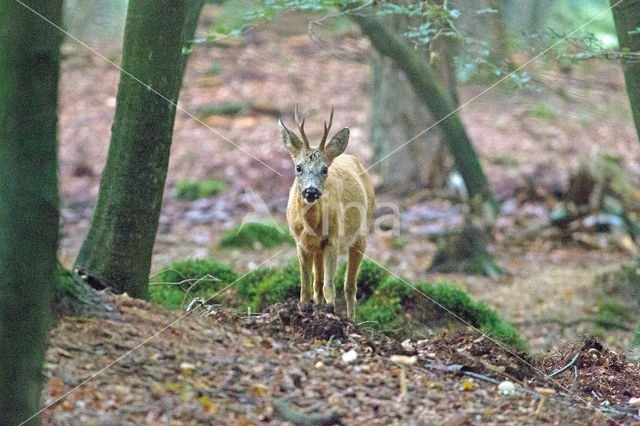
(626, 16)
(425, 83)
(487, 29)
(398, 115)
(118, 248)
(29, 66)
(526, 18)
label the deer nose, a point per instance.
(311, 194)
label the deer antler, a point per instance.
(300, 125)
(326, 131)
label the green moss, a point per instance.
(255, 235)
(542, 111)
(224, 108)
(182, 281)
(193, 190)
(504, 160)
(388, 303)
(67, 289)
(370, 277)
(401, 310)
(276, 285)
(611, 312)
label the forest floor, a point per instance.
(229, 369)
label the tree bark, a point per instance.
(626, 16)
(118, 248)
(426, 84)
(398, 115)
(29, 67)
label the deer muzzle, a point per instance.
(311, 194)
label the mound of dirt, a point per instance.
(598, 374)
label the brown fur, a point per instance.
(330, 227)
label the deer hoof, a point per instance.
(330, 309)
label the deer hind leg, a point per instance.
(305, 259)
(330, 258)
(356, 252)
(318, 277)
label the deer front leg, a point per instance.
(330, 259)
(318, 277)
(305, 259)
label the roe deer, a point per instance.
(329, 212)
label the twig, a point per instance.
(617, 412)
(456, 368)
(294, 416)
(566, 367)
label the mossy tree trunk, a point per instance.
(29, 66)
(118, 248)
(426, 84)
(399, 115)
(626, 16)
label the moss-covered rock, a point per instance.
(182, 281)
(193, 190)
(255, 236)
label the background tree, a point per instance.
(426, 84)
(467, 247)
(29, 66)
(398, 115)
(118, 248)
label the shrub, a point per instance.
(255, 235)
(193, 190)
(185, 280)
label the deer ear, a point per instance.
(337, 144)
(291, 142)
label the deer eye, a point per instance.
(298, 168)
(325, 170)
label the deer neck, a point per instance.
(311, 214)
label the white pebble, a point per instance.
(350, 356)
(506, 388)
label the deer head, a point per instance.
(312, 165)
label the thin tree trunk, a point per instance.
(118, 248)
(626, 16)
(29, 67)
(425, 82)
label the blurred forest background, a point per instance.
(524, 201)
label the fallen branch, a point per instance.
(566, 367)
(292, 415)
